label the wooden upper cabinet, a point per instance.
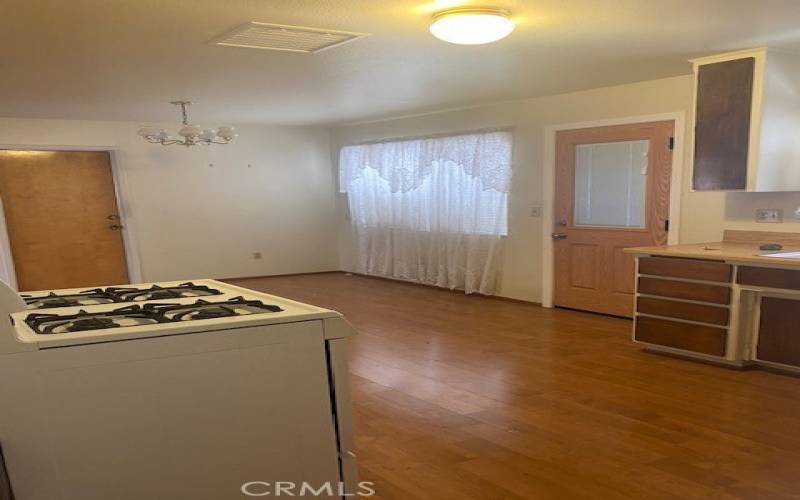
(746, 122)
(722, 124)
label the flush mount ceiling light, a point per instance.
(190, 135)
(472, 26)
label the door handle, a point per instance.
(559, 236)
(115, 227)
(113, 217)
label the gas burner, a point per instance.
(86, 298)
(155, 292)
(49, 324)
(149, 314)
(203, 309)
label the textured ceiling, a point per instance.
(125, 59)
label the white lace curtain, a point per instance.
(431, 210)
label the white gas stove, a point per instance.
(173, 390)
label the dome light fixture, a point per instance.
(472, 26)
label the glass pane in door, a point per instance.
(610, 184)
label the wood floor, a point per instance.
(460, 397)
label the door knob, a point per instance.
(115, 227)
(113, 217)
(559, 236)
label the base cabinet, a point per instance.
(779, 331)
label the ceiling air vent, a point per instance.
(287, 38)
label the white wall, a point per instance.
(702, 213)
(740, 211)
(193, 221)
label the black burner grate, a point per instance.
(157, 292)
(149, 314)
(112, 295)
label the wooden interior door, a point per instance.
(62, 219)
(612, 192)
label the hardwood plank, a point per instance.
(685, 290)
(697, 338)
(683, 310)
(556, 404)
(703, 270)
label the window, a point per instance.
(416, 203)
(610, 184)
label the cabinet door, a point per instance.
(779, 331)
(722, 125)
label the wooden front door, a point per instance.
(612, 192)
(62, 219)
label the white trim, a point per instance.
(9, 273)
(120, 191)
(548, 185)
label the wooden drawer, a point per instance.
(769, 277)
(683, 310)
(695, 338)
(685, 290)
(704, 270)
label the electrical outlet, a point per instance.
(256, 255)
(771, 215)
(536, 211)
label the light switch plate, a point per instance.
(536, 211)
(772, 215)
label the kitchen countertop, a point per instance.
(735, 251)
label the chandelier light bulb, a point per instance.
(226, 132)
(207, 134)
(189, 131)
(147, 131)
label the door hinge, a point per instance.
(666, 225)
(671, 144)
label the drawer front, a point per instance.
(694, 269)
(683, 310)
(695, 338)
(684, 290)
(769, 277)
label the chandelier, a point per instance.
(190, 135)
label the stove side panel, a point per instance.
(187, 416)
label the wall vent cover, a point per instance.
(286, 38)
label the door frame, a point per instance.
(121, 193)
(549, 185)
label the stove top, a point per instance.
(149, 314)
(113, 294)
